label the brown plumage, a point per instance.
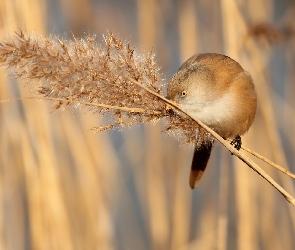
(216, 90)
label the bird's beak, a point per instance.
(168, 108)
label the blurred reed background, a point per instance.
(63, 187)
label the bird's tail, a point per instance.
(200, 160)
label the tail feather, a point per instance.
(200, 160)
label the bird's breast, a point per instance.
(225, 115)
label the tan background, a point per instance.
(63, 187)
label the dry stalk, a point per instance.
(235, 152)
(285, 171)
(115, 80)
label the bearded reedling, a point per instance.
(216, 90)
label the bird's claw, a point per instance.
(237, 142)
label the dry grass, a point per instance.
(63, 187)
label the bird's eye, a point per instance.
(183, 93)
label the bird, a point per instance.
(216, 90)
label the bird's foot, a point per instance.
(237, 142)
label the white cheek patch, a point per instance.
(212, 113)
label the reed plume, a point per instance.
(269, 33)
(99, 76)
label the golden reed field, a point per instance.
(65, 187)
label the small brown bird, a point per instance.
(216, 90)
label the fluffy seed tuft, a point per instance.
(83, 71)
